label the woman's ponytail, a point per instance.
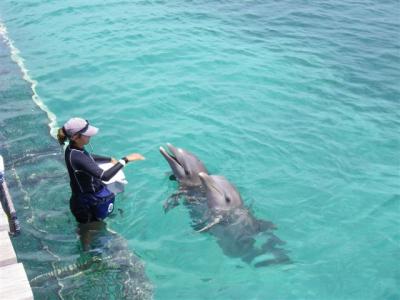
(61, 136)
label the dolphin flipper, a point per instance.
(216, 221)
(172, 201)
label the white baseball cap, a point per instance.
(79, 125)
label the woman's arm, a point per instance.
(83, 162)
(101, 159)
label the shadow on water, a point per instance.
(49, 245)
(104, 269)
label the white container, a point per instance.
(117, 183)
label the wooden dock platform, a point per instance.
(14, 284)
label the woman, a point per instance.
(90, 200)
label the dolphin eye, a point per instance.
(186, 172)
(227, 199)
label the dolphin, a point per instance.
(216, 206)
(221, 194)
(234, 226)
(185, 165)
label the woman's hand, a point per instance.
(134, 156)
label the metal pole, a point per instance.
(13, 222)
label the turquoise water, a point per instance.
(296, 103)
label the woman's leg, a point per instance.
(80, 211)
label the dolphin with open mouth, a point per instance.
(185, 165)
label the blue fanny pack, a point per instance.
(101, 203)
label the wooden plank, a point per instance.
(14, 284)
(7, 253)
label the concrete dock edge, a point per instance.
(14, 283)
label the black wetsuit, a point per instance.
(86, 178)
